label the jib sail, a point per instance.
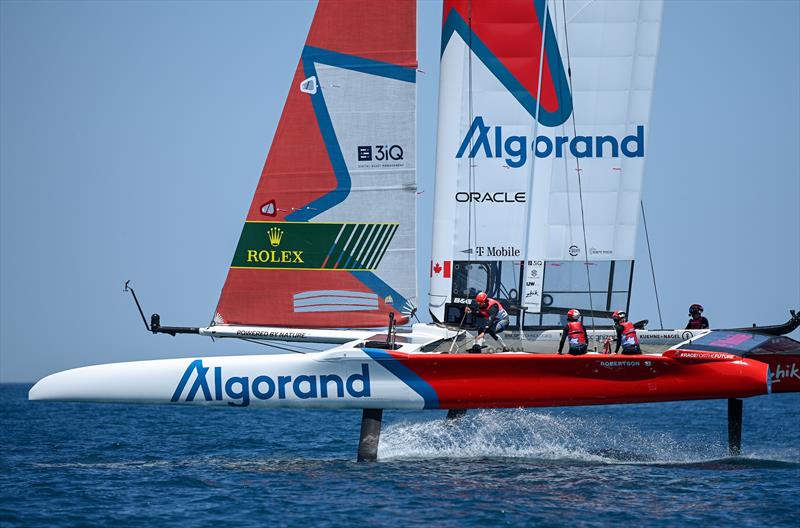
(329, 239)
(534, 95)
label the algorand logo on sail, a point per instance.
(238, 390)
(491, 141)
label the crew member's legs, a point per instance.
(498, 328)
(479, 339)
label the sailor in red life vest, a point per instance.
(578, 339)
(496, 320)
(626, 334)
(697, 321)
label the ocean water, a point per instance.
(67, 464)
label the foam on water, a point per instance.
(528, 434)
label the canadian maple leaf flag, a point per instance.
(436, 268)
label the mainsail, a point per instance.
(329, 240)
(544, 109)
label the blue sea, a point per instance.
(68, 464)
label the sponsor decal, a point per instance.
(380, 152)
(495, 251)
(241, 389)
(706, 355)
(270, 333)
(783, 372)
(574, 250)
(490, 141)
(620, 363)
(275, 235)
(379, 156)
(307, 245)
(595, 251)
(496, 197)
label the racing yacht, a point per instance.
(544, 110)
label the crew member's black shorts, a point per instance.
(579, 350)
(632, 351)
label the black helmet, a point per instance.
(695, 309)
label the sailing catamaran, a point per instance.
(543, 117)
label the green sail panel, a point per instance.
(313, 245)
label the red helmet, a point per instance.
(619, 315)
(481, 297)
(573, 315)
(695, 308)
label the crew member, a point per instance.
(496, 320)
(697, 321)
(626, 334)
(578, 339)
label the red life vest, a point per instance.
(484, 310)
(629, 337)
(576, 334)
(697, 324)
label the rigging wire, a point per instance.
(472, 213)
(652, 268)
(578, 170)
(564, 133)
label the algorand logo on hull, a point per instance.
(489, 140)
(240, 389)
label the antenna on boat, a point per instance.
(129, 288)
(155, 319)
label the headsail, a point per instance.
(330, 240)
(533, 96)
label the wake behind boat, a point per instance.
(542, 137)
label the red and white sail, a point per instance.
(532, 95)
(329, 239)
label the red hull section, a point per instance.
(463, 381)
(785, 371)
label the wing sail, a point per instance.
(533, 95)
(330, 237)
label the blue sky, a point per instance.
(132, 136)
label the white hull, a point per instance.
(333, 379)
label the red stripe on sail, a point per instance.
(511, 31)
(382, 31)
